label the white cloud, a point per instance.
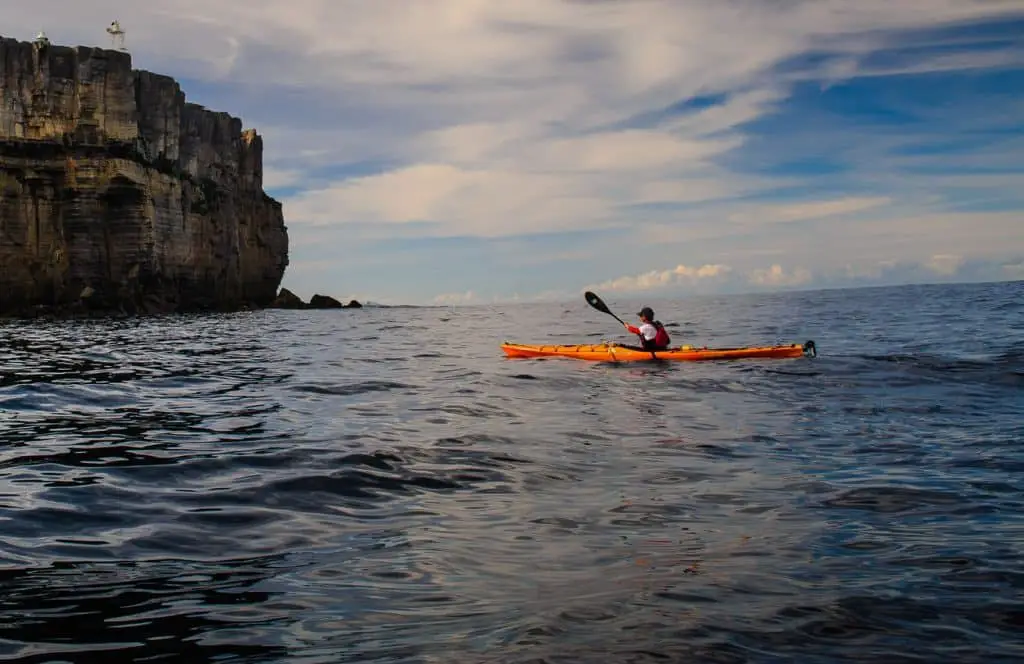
(903, 232)
(867, 270)
(684, 279)
(466, 202)
(473, 144)
(498, 179)
(776, 275)
(945, 264)
(455, 299)
(658, 279)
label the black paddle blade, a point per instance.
(596, 302)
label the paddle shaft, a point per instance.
(596, 302)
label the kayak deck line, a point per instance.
(614, 352)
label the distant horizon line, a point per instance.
(650, 296)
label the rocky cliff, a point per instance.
(117, 194)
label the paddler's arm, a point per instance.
(634, 330)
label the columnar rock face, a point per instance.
(116, 193)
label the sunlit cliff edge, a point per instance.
(117, 194)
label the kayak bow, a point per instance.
(612, 352)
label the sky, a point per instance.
(475, 151)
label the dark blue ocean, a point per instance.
(382, 485)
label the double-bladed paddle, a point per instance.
(596, 302)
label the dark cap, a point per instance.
(647, 313)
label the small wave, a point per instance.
(893, 499)
(362, 387)
(1005, 368)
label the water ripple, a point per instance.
(327, 487)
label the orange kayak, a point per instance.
(612, 352)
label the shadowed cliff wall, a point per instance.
(115, 193)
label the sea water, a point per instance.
(382, 485)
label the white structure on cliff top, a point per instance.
(116, 35)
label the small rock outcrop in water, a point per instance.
(324, 302)
(289, 300)
(116, 194)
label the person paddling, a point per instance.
(652, 333)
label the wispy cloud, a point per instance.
(598, 139)
(808, 210)
(660, 279)
(278, 178)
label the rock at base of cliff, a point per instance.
(324, 302)
(287, 300)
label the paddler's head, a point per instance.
(646, 314)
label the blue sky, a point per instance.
(473, 151)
